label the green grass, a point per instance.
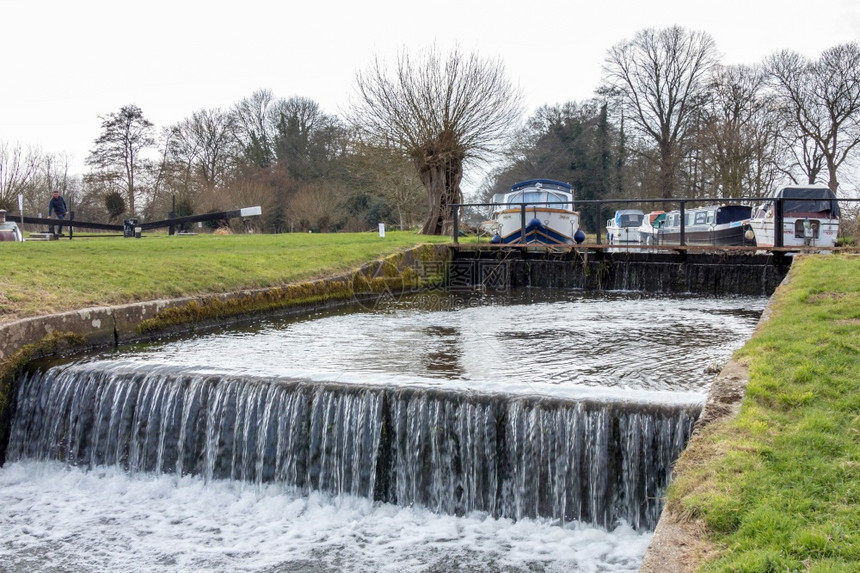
(779, 486)
(54, 276)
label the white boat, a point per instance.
(810, 217)
(649, 230)
(623, 228)
(536, 211)
(9, 231)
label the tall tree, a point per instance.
(307, 140)
(117, 151)
(658, 78)
(570, 143)
(441, 113)
(823, 100)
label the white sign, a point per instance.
(382, 229)
(20, 203)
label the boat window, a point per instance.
(711, 217)
(731, 213)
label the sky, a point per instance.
(67, 62)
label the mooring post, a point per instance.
(778, 239)
(683, 240)
(522, 222)
(599, 220)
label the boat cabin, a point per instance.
(537, 192)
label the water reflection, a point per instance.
(536, 341)
(441, 352)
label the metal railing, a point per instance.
(681, 202)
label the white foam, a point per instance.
(105, 520)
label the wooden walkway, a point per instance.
(667, 249)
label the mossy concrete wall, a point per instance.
(76, 331)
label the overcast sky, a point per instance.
(67, 62)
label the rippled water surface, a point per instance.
(547, 342)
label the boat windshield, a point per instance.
(534, 197)
(731, 213)
(629, 219)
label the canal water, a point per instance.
(526, 431)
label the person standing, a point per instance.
(57, 205)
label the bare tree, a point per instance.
(659, 79)
(441, 114)
(19, 169)
(254, 127)
(204, 146)
(740, 137)
(823, 99)
(117, 151)
(386, 173)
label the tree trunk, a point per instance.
(667, 171)
(442, 181)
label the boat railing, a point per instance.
(681, 203)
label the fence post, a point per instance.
(456, 209)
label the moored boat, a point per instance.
(537, 211)
(712, 225)
(9, 230)
(623, 228)
(810, 217)
(650, 228)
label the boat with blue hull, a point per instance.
(538, 211)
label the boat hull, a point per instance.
(822, 231)
(545, 226)
(728, 235)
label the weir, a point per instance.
(509, 456)
(477, 266)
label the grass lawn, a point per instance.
(52, 276)
(779, 486)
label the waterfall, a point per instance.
(509, 456)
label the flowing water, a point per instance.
(527, 432)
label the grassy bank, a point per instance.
(53, 276)
(778, 487)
